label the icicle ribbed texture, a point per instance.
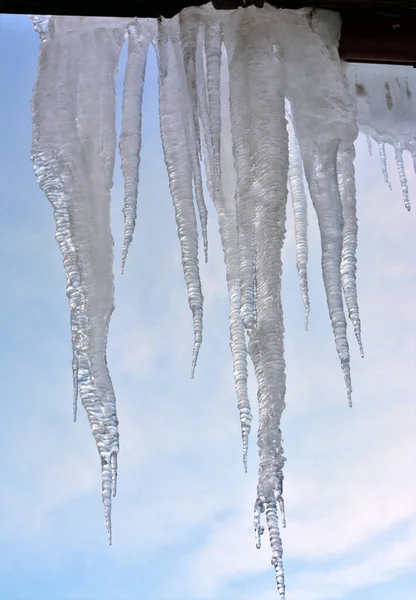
(224, 80)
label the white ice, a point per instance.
(224, 79)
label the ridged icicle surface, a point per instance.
(226, 80)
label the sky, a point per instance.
(182, 518)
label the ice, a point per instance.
(179, 167)
(300, 212)
(140, 35)
(236, 34)
(369, 144)
(346, 183)
(226, 209)
(73, 152)
(398, 151)
(383, 160)
(386, 104)
(212, 43)
(324, 116)
(186, 86)
(225, 79)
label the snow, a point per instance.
(386, 105)
(261, 98)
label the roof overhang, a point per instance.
(379, 31)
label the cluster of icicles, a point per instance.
(233, 84)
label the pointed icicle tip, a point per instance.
(402, 175)
(75, 388)
(195, 353)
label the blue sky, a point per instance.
(182, 519)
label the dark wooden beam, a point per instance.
(381, 31)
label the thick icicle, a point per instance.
(398, 149)
(191, 133)
(140, 34)
(213, 47)
(320, 169)
(236, 38)
(300, 208)
(324, 116)
(346, 183)
(383, 160)
(73, 152)
(263, 107)
(179, 169)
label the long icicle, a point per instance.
(268, 143)
(73, 154)
(213, 48)
(300, 212)
(179, 169)
(224, 200)
(187, 82)
(346, 183)
(321, 173)
(204, 114)
(140, 35)
(236, 32)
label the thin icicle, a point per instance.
(179, 167)
(369, 144)
(140, 35)
(383, 160)
(236, 34)
(188, 25)
(346, 183)
(204, 115)
(300, 208)
(213, 51)
(73, 155)
(398, 149)
(190, 131)
(225, 204)
(321, 173)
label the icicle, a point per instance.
(188, 25)
(300, 207)
(204, 115)
(225, 204)
(276, 544)
(321, 173)
(320, 126)
(236, 33)
(346, 183)
(213, 43)
(383, 159)
(73, 109)
(398, 149)
(258, 527)
(190, 131)
(264, 110)
(369, 145)
(162, 47)
(140, 35)
(179, 168)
